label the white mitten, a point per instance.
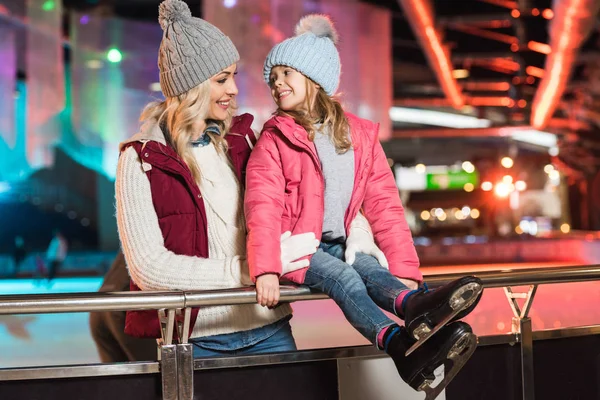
(360, 240)
(295, 247)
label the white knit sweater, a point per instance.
(153, 267)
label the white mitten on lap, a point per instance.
(360, 240)
(295, 247)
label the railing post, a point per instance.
(185, 358)
(168, 356)
(185, 371)
(168, 371)
(521, 325)
(176, 360)
(527, 359)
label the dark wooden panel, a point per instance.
(130, 387)
(300, 381)
(565, 369)
(493, 373)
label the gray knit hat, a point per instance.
(191, 51)
(312, 52)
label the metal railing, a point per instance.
(177, 364)
(124, 301)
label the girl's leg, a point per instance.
(385, 290)
(383, 287)
(344, 285)
(423, 310)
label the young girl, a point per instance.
(312, 170)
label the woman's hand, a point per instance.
(267, 290)
(295, 247)
(360, 240)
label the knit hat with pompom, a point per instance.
(191, 51)
(312, 52)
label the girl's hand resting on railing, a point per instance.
(267, 290)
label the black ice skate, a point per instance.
(427, 311)
(452, 347)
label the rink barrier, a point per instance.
(176, 364)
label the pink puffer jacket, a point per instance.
(285, 192)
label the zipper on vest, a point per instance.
(145, 165)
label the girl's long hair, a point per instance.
(179, 114)
(326, 110)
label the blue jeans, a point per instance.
(278, 338)
(359, 290)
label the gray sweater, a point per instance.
(338, 171)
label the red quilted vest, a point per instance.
(180, 208)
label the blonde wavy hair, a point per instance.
(179, 114)
(326, 110)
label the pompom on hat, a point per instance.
(312, 52)
(192, 49)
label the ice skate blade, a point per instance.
(458, 355)
(458, 303)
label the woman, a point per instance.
(179, 194)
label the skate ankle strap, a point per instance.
(423, 289)
(388, 336)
